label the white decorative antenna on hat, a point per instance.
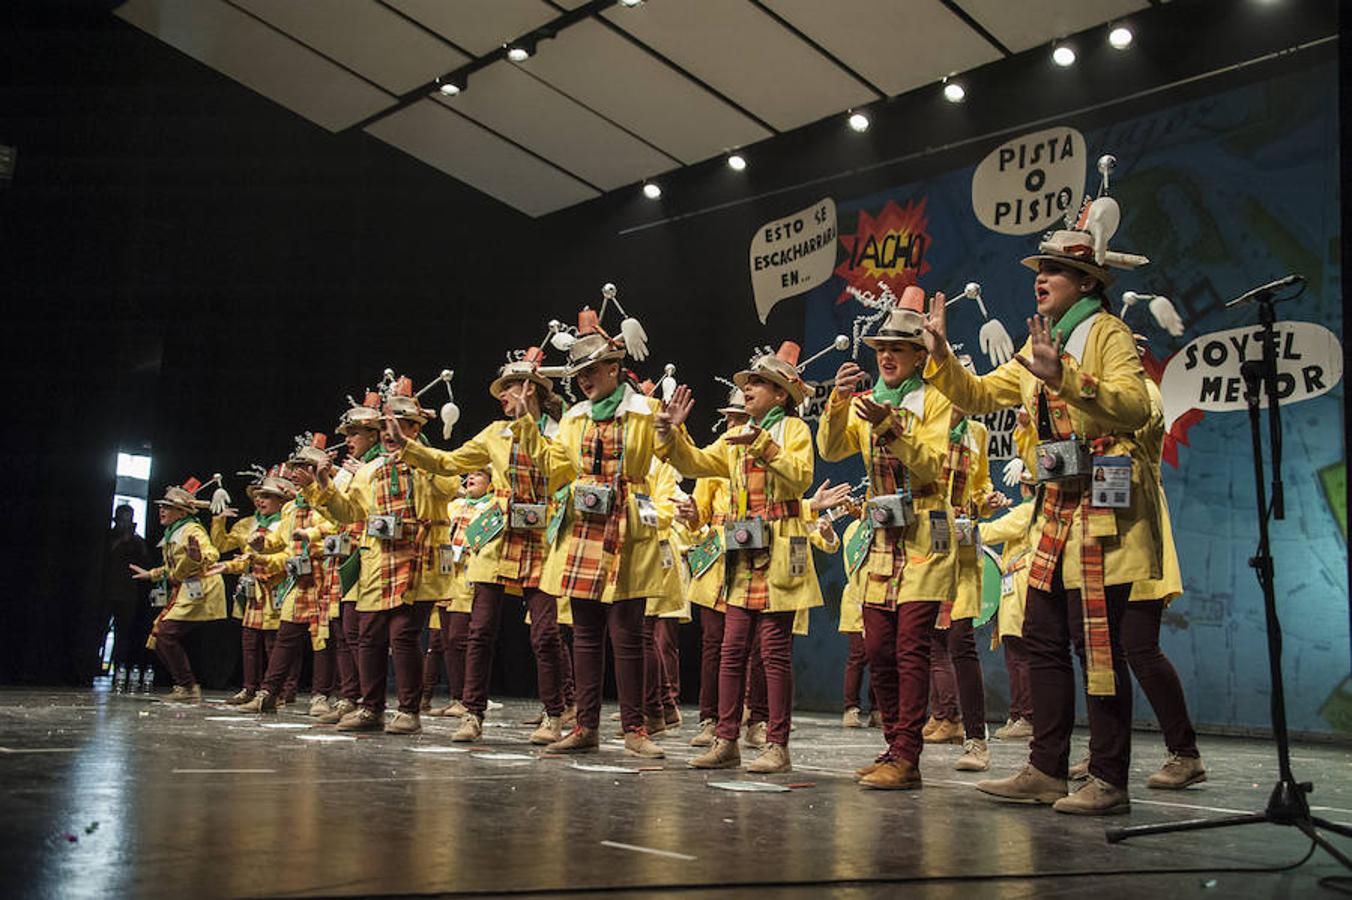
(450, 413)
(884, 303)
(220, 498)
(635, 338)
(993, 337)
(1161, 307)
(667, 386)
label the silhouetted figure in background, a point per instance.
(127, 601)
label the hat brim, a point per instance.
(502, 381)
(349, 427)
(733, 411)
(797, 391)
(254, 490)
(606, 356)
(874, 340)
(1071, 262)
(196, 505)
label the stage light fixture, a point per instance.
(1120, 37)
(954, 92)
(1063, 56)
(448, 89)
(737, 163)
(520, 51)
(651, 191)
(859, 122)
(630, 3)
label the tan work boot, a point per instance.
(946, 732)
(1095, 797)
(336, 713)
(361, 719)
(580, 740)
(774, 758)
(654, 725)
(975, 757)
(672, 718)
(184, 694)
(1177, 773)
(1080, 770)
(637, 743)
(535, 719)
(569, 717)
(1028, 785)
(549, 731)
(930, 725)
(425, 703)
(875, 718)
(705, 738)
(722, 755)
(404, 723)
(319, 704)
(244, 696)
(471, 729)
(873, 766)
(262, 702)
(893, 775)
(457, 710)
(1014, 729)
(852, 718)
(755, 735)
(281, 702)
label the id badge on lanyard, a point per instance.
(940, 540)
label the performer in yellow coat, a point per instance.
(606, 553)
(1010, 532)
(659, 634)
(253, 536)
(190, 596)
(401, 573)
(768, 464)
(1080, 380)
(509, 543)
(904, 549)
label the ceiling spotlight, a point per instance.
(859, 122)
(519, 52)
(1120, 37)
(450, 90)
(630, 3)
(736, 163)
(954, 92)
(651, 191)
(1063, 56)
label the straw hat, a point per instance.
(184, 497)
(904, 323)
(273, 483)
(310, 450)
(524, 369)
(401, 403)
(367, 415)
(1084, 245)
(779, 368)
(736, 403)
(592, 348)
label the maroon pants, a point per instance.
(669, 651)
(757, 699)
(710, 658)
(898, 646)
(169, 646)
(624, 621)
(1157, 676)
(385, 633)
(566, 657)
(346, 639)
(257, 647)
(434, 658)
(652, 670)
(772, 633)
(1016, 663)
(855, 661)
(954, 664)
(286, 656)
(454, 641)
(322, 680)
(544, 641)
(1053, 624)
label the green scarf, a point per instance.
(770, 419)
(603, 410)
(176, 525)
(377, 450)
(958, 431)
(479, 501)
(265, 521)
(300, 502)
(1085, 307)
(884, 394)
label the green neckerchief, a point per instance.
(958, 431)
(771, 419)
(542, 422)
(604, 409)
(884, 394)
(479, 501)
(176, 525)
(300, 502)
(265, 521)
(377, 450)
(1083, 308)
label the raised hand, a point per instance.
(744, 437)
(302, 475)
(674, 411)
(1045, 351)
(394, 430)
(998, 500)
(871, 410)
(138, 573)
(686, 511)
(228, 512)
(351, 464)
(848, 377)
(936, 329)
(214, 570)
(194, 550)
(827, 497)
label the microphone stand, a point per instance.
(1287, 804)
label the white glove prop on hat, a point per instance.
(1014, 472)
(635, 338)
(220, 498)
(993, 337)
(1161, 308)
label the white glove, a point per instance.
(220, 501)
(1014, 470)
(996, 342)
(1167, 317)
(635, 339)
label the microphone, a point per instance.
(1265, 290)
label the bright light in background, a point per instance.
(630, 3)
(518, 54)
(1063, 56)
(651, 191)
(954, 92)
(1120, 37)
(450, 90)
(859, 122)
(736, 163)
(130, 465)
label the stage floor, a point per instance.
(124, 796)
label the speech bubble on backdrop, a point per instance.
(1205, 373)
(792, 255)
(1028, 184)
